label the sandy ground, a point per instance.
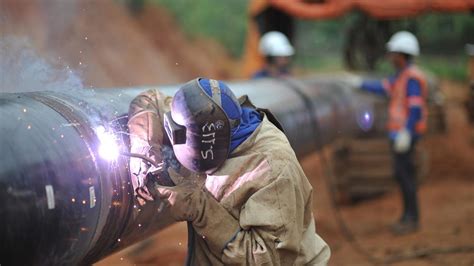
(446, 199)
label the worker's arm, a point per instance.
(415, 102)
(146, 131)
(380, 87)
(268, 230)
(272, 223)
(145, 118)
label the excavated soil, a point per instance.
(107, 46)
(110, 48)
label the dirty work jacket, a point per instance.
(261, 188)
(264, 189)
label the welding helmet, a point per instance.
(203, 114)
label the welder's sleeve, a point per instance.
(272, 227)
(415, 102)
(145, 126)
(145, 118)
(215, 224)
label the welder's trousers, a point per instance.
(405, 174)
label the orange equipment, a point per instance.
(281, 12)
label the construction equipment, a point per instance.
(366, 37)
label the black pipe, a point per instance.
(61, 203)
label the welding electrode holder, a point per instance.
(157, 173)
(159, 176)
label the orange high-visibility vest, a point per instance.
(400, 103)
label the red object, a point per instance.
(387, 9)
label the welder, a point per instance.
(407, 114)
(247, 198)
(277, 50)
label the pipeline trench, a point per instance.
(52, 156)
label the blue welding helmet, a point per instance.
(198, 125)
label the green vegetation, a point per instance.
(319, 44)
(453, 67)
(224, 21)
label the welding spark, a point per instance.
(108, 149)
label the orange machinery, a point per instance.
(266, 15)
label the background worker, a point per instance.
(277, 50)
(407, 91)
(250, 202)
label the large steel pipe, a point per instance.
(61, 203)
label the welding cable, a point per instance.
(356, 245)
(328, 175)
(346, 232)
(141, 156)
(190, 252)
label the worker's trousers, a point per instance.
(405, 174)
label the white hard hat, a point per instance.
(275, 43)
(404, 42)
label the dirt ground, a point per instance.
(107, 46)
(446, 199)
(102, 41)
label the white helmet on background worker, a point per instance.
(404, 42)
(275, 43)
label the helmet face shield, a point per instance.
(198, 128)
(176, 133)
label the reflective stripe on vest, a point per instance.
(399, 103)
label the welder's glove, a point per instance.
(184, 200)
(402, 141)
(139, 168)
(190, 201)
(143, 195)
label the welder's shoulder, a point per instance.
(273, 147)
(273, 143)
(152, 98)
(281, 157)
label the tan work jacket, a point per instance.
(262, 212)
(262, 187)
